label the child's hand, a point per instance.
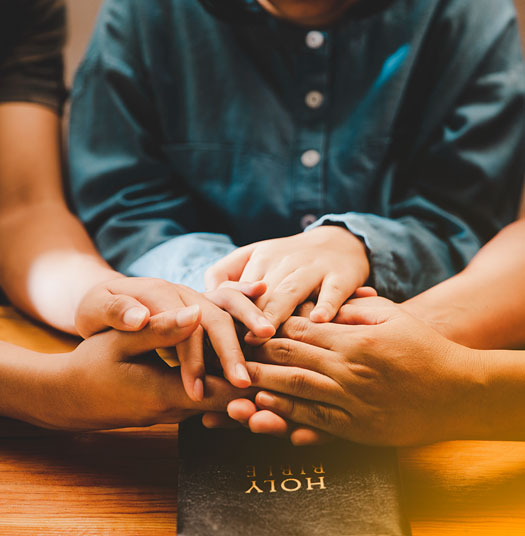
(217, 309)
(329, 263)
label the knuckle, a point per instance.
(114, 308)
(338, 287)
(272, 315)
(298, 383)
(255, 373)
(292, 409)
(279, 350)
(223, 317)
(297, 328)
(288, 286)
(320, 415)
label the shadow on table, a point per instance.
(133, 457)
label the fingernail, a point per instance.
(198, 390)
(187, 316)
(134, 317)
(266, 399)
(242, 373)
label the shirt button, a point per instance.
(310, 158)
(307, 220)
(314, 39)
(314, 99)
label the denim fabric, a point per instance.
(188, 128)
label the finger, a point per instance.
(218, 420)
(218, 393)
(289, 353)
(156, 294)
(366, 311)
(305, 435)
(223, 337)
(335, 290)
(365, 292)
(191, 357)
(304, 309)
(293, 290)
(326, 336)
(331, 419)
(241, 410)
(102, 309)
(251, 290)
(296, 381)
(267, 422)
(243, 310)
(228, 268)
(169, 355)
(163, 330)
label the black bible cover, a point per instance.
(235, 483)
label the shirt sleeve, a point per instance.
(31, 66)
(143, 220)
(183, 259)
(466, 179)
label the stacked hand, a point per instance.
(379, 377)
(112, 303)
(114, 380)
(328, 263)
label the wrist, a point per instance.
(468, 383)
(31, 385)
(502, 399)
(352, 244)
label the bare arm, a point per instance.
(48, 261)
(101, 384)
(483, 306)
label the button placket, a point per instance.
(314, 62)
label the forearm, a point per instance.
(27, 380)
(483, 306)
(48, 262)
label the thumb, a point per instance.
(101, 309)
(366, 311)
(163, 330)
(230, 268)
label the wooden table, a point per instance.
(124, 482)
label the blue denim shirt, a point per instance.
(192, 134)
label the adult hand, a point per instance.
(114, 380)
(106, 305)
(240, 411)
(388, 379)
(328, 262)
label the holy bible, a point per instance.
(235, 483)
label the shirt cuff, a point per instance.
(184, 259)
(371, 230)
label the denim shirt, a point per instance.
(192, 134)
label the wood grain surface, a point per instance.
(124, 482)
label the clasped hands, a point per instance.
(371, 375)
